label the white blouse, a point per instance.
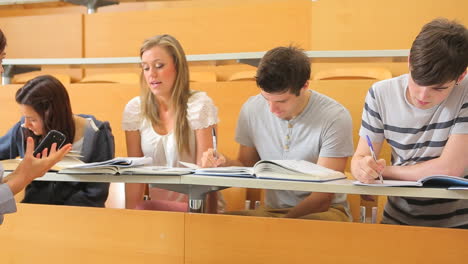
(201, 113)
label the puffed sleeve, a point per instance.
(131, 118)
(201, 111)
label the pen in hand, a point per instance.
(369, 143)
(215, 143)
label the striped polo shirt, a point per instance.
(416, 135)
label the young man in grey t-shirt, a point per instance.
(423, 115)
(288, 121)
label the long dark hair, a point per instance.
(49, 98)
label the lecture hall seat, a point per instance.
(243, 76)
(23, 78)
(202, 76)
(353, 73)
(122, 77)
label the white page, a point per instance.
(389, 183)
(303, 166)
(189, 165)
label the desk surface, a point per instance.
(208, 57)
(339, 186)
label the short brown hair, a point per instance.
(283, 69)
(439, 53)
(2, 41)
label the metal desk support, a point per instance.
(10, 70)
(92, 5)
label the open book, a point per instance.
(440, 181)
(291, 170)
(123, 165)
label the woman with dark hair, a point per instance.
(45, 105)
(30, 167)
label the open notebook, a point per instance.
(438, 181)
(291, 170)
(124, 166)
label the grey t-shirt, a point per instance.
(323, 129)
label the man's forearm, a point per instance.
(423, 169)
(16, 182)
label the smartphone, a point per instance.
(53, 136)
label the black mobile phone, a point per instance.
(53, 136)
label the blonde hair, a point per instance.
(180, 90)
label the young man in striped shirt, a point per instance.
(423, 115)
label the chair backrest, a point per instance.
(126, 78)
(197, 76)
(243, 76)
(25, 77)
(353, 73)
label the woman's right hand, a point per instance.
(209, 160)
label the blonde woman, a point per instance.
(167, 122)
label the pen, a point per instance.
(215, 143)
(369, 142)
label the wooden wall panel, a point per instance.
(54, 36)
(366, 24)
(49, 36)
(237, 28)
(66, 234)
(9, 110)
(240, 239)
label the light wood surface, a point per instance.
(239, 27)
(190, 183)
(63, 234)
(50, 36)
(54, 36)
(238, 239)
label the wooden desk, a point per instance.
(63, 234)
(191, 182)
(237, 239)
(72, 234)
(197, 186)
